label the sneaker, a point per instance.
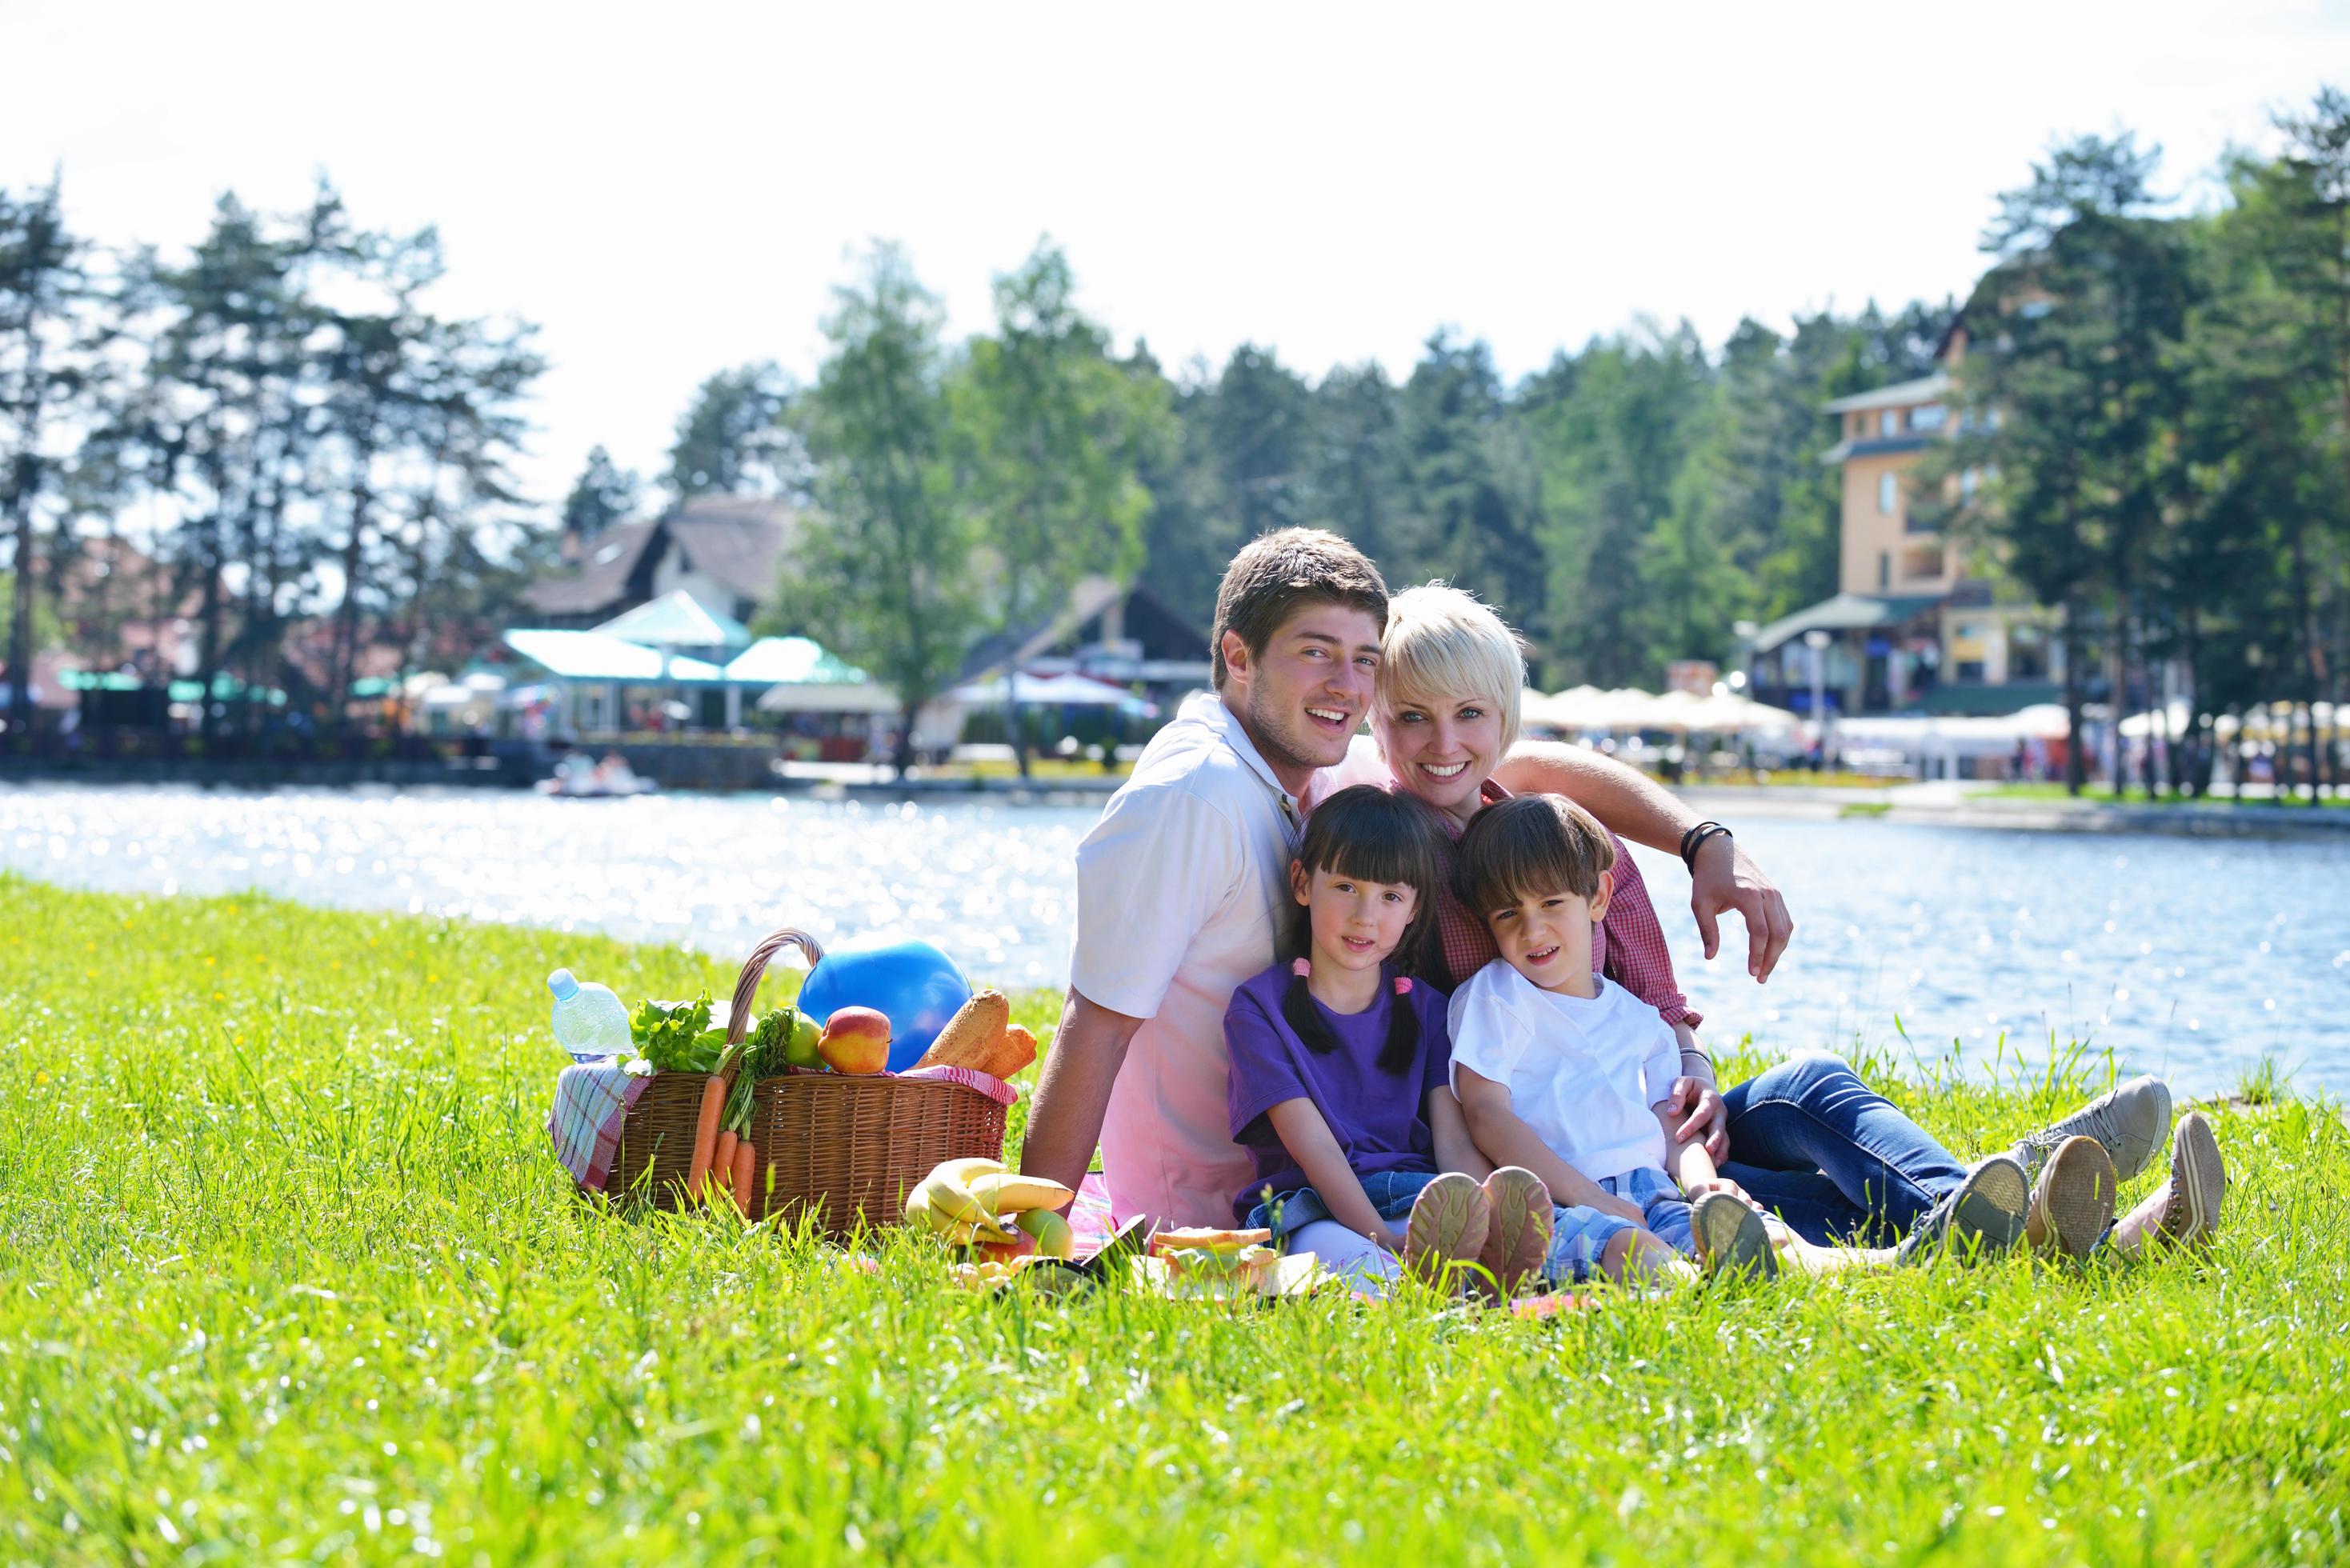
(2199, 1183)
(2130, 1121)
(2072, 1202)
(1517, 1241)
(1984, 1213)
(1732, 1237)
(1449, 1222)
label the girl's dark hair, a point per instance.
(1366, 833)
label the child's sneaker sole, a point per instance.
(2073, 1203)
(2198, 1182)
(1449, 1222)
(1732, 1237)
(1517, 1237)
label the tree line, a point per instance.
(2153, 434)
(314, 463)
(2149, 433)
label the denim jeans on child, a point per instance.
(1831, 1155)
(1391, 1193)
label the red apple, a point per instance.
(855, 1040)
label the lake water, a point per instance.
(2194, 956)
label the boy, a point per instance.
(1568, 1073)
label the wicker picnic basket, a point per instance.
(655, 1150)
(846, 1150)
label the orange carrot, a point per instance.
(705, 1137)
(747, 1160)
(722, 1164)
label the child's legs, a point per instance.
(1637, 1257)
(1663, 1210)
(1579, 1240)
(1347, 1253)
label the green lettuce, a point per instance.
(678, 1038)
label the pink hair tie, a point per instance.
(1301, 968)
(1403, 985)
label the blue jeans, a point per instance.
(1831, 1155)
(1391, 1192)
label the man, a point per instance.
(1180, 883)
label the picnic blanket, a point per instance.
(592, 1100)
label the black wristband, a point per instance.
(1694, 840)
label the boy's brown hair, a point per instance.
(1274, 576)
(1530, 846)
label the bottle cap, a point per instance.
(563, 985)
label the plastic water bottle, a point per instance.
(589, 1021)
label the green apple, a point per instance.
(799, 1046)
(1054, 1238)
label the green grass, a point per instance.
(287, 1273)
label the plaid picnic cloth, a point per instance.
(987, 1083)
(591, 1101)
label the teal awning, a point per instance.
(677, 619)
(1989, 701)
(225, 686)
(1846, 612)
(794, 661)
(593, 656)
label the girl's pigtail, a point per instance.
(1306, 1020)
(1403, 1031)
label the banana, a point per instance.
(1008, 1192)
(950, 1192)
(921, 1215)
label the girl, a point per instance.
(1339, 1063)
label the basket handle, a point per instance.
(754, 968)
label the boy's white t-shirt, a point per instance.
(1581, 1073)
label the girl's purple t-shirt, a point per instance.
(1379, 1118)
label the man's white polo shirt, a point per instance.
(1179, 885)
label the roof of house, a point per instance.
(1846, 612)
(1092, 596)
(1901, 394)
(602, 579)
(738, 541)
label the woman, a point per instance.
(1806, 1137)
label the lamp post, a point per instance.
(1745, 631)
(1817, 641)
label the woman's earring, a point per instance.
(1302, 968)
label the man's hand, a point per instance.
(1726, 879)
(1704, 1116)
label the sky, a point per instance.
(669, 190)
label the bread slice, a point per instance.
(1019, 1049)
(974, 1037)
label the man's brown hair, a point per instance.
(1530, 846)
(1274, 576)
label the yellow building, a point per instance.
(1910, 628)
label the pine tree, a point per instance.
(730, 440)
(603, 494)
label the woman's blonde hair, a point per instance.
(1441, 645)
